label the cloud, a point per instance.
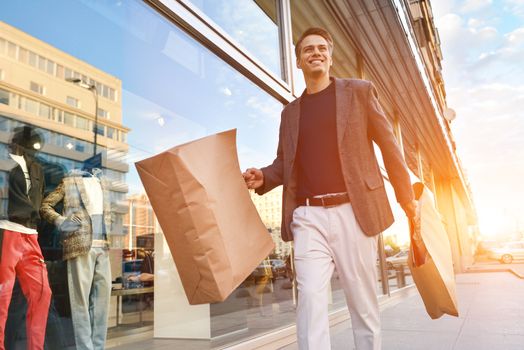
(515, 38)
(515, 7)
(475, 5)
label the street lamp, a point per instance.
(92, 88)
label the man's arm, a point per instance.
(382, 133)
(265, 179)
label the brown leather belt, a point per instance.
(326, 201)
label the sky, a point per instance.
(483, 49)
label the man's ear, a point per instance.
(298, 63)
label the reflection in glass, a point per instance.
(145, 73)
(253, 24)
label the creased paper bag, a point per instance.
(213, 230)
(430, 259)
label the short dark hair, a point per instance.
(314, 31)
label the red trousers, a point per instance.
(21, 257)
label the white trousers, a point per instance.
(326, 239)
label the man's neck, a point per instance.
(314, 85)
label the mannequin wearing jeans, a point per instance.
(85, 222)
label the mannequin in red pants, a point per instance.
(20, 254)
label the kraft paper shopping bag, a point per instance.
(430, 259)
(213, 230)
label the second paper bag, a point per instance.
(430, 259)
(212, 228)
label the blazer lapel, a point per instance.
(343, 96)
(79, 181)
(293, 119)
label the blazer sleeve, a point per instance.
(273, 174)
(381, 132)
(47, 209)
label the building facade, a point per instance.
(170, 71)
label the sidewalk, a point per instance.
(491, 308)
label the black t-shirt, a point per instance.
(319, 169)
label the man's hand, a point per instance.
(254, 178)
(410, 208)
(412, 211)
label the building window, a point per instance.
(29, 105)
(69, 119)
(11, 50)
(32, 59)
(59, 71)
(22, 55)
(44, 111)
(50, 67)
(4, 97)
(99, 129)
(2, 46)
(80, 147)
(42, 62)
(35, 87)
(82, 123)
(68, 73)
(102, 113)
(73, 102)
(111, 132)
(59, 116)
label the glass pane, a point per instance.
(166, 89)
(11, 49)
(253, 24)
(45, 110)
(30, 106)
(4, 97)
(82, 123)
(69, 119)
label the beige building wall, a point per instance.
(32, 69)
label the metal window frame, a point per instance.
(192, 21)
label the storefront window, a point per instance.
(170, 89)
(253, 24)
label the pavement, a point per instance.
(491, 316)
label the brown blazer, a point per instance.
(74, 196)
(360, 120)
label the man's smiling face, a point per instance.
(315, 56)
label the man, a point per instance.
(334, 201)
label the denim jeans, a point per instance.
(89, 279)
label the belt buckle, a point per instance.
(327, 205)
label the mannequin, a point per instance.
(85, 223)
(20, 254)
